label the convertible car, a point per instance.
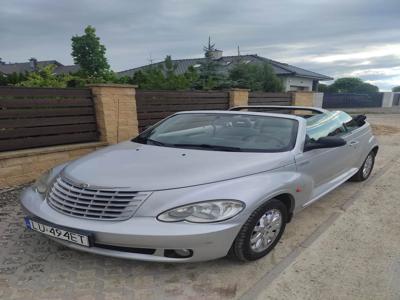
(200, 185)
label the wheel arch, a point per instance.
(289, 201)
(375, 149)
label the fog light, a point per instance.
(178, 253)
(183, 252)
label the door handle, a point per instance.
(353, 143)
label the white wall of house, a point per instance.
(297, 84)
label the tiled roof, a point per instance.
(26, 67)
(66, 69)
(227, 62)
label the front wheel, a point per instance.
(261, 232)
(366, 168)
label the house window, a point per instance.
(294, 88)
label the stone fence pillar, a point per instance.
(238, 97)
(318, 99)
(303, 99)
(387, 99)
(115, 111)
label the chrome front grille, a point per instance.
(94, 203)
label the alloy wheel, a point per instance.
(367, 168)
(266, 230)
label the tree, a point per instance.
(352, 85)
(209, 77)
(46, 78)
(12, 79)
(255, 77)
(396, 89)
(90, 55)
(163, 77)
(323, 88)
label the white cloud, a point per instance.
(369, 52)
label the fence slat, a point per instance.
(44, 92)
(34, 122)
(48, 130)
(263, 98)
(40, 102)
(45, 112)
(50, 140)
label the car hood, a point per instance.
(147, 167)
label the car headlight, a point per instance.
(42, 183)
(203, 212)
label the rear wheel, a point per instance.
(261, 232)
(366, 168)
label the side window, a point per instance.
(323, 125)
(353, 123)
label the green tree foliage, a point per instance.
(255, 77)
(12, 79)
(351, 85)
(396, 89)
(90, 55)
(162, 77)
(45, 77)
(323, 88)
(209, 78)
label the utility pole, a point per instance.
(150, 59)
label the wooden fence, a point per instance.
(263, 98)
(349, 100)
(153, 106)
(39, 117)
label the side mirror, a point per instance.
(325, 142)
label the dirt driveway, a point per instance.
(33, 267)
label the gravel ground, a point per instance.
(33, 267)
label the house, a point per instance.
(33, 65)
(293, 78)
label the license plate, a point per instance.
(58, 233)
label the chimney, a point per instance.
(33, 63)
(214, 54)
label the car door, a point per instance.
(323, 166)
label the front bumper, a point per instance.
(206, 241)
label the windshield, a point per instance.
(223, 132)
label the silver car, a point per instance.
(200, 185)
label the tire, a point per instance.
(243, 249)
(369, 162)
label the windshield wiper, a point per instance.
(207, 146)
(154, 142)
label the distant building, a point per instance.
(33, 65)
(293, 78)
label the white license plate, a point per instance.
(58, 233)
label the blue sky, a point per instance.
(336, 38)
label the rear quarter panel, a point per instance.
(367, 141)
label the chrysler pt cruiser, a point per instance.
(200, 185)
